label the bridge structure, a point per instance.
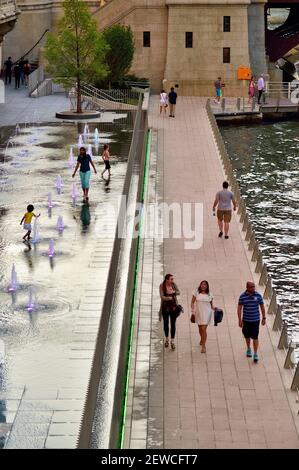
(281, 40)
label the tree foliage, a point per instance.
(77, 53)
(119, 58)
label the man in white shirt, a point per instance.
(260, 87)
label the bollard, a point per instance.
(252, 242)
(223, 104)
(268, 288)
(249, 232)
(295, 382)
(253, 103)
(259, 263)
(283, 340)
(277, 325)
(256, 253)
(273, 302)
(264, 276)
(288, 363)
(238, 104)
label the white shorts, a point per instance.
(27, 227)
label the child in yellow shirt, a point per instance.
(27, 221)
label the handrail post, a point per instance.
(283, 340)
(288, 363)
(295, 382)
(277, 325)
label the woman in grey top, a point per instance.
(168, 295)
(224, 199)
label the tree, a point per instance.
(77, 53)
(121, 50)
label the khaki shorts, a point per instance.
(224, 215)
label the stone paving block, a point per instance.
(66, 417)
(64, 429)
(61, 442)
(25, 442)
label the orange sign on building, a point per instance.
(244, 73)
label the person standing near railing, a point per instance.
(260, 87)
(251, 90)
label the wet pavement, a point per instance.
(49, 324)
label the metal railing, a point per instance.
(35, 79)
(280, 89)
(105, 391)
(118, 96)
(261, 268)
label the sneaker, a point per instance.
(248, 353)
(166, 343)
(220, 234)
(172, 345)
(255, 357)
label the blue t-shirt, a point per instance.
(251, 303)
(84, 163)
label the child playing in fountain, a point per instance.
(27, 221)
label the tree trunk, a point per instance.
(79, 108)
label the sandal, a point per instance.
(166, 343)
(172, 345)
(203, 349)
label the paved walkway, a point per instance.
(182, 398)
(20, 108)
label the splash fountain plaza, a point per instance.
(52, 287)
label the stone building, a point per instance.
(8, 16)
(184, 42)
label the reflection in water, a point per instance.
(265, 160)
(85, 217)
(107, 181)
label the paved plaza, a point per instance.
(182, 398)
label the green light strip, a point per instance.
(128, 368)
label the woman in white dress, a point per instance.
(163, 101)
(202, 308)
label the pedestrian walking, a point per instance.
(163, 101)
(27, 70)
(251, 90)
(27, 218)
(203, 311)
(218, 89)
(105, 157)
(249, 307)
(260, 87)
(84, 161)
(17, 73)
(8, 70)
(22, 72)
(172, 97)
(223, 200)
(168, 294)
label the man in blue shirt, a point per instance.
(251, 302)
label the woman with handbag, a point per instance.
(202, 311)
(169, 310)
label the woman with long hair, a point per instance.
(251, 89)
(202, 308)
(168, 295)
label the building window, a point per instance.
(226, 55)
(226, 24)
(146, 39)
(189, 39)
